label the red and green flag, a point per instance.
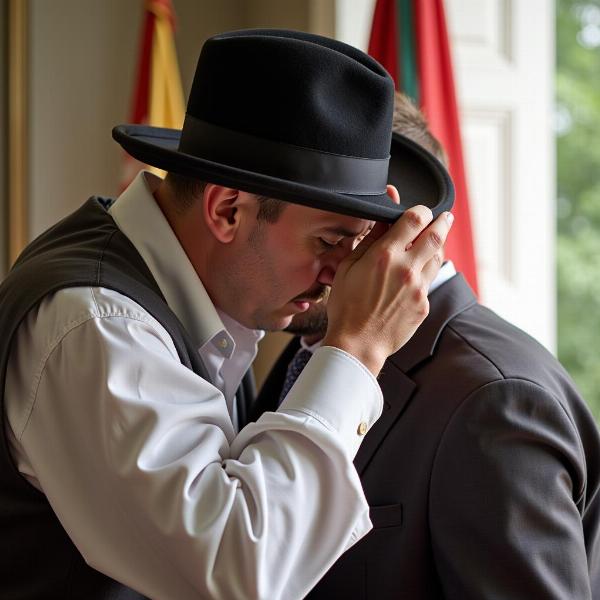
(158, 95)
(410, 39)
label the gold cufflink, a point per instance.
(362, 428)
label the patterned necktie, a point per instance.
(293, 371)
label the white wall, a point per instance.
(83, 57)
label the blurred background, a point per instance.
(578, 192)
(518, 77)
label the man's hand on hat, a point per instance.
(379, 294)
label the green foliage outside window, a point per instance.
(578, 204)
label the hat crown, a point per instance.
(295, 88)
(293, 116)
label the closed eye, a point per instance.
(329, 245)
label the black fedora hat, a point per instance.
(293, 116)
(419, 176)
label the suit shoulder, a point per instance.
(493, 349)
(514, 353)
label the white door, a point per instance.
(503, 54)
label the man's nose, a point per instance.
(326, 276)
(331, 263)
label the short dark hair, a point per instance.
(269, 209)
(185, 189)
(409, 121)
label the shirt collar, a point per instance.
(240, 337)
(140, 218)
(447, 271)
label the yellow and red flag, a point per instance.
(410, 39)
(158, 95)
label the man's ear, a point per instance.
(220, 211)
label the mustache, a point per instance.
(316, 295)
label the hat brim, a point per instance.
(418, 175)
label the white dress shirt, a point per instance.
(140, 457)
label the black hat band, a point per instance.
(333, 172)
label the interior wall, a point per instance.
(274, 13)
(82, 66)
(198, 20)
(3, 138)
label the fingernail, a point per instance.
(450, 218)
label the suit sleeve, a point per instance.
(505, 489)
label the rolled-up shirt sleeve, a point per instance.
(139, 459)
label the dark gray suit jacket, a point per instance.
(482, 474)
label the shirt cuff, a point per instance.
(339, 391)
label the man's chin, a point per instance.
(310, 323)
(275, 322)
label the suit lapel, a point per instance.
(397, 389)
(446, 302)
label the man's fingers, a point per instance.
(413, 222)
(432, 240)
(376, 232)
(396, 237)
(412, 235)
(431, 269)
(407, 228)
